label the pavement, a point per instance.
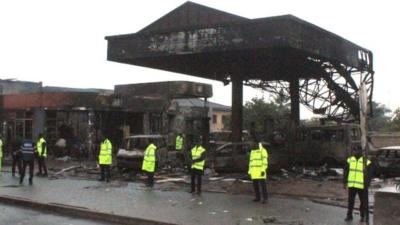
(21, 216)
(177, 207)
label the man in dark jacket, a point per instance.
(16, 156)
(27, 155)
(198, 156)
(356, 179)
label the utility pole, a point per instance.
(363, 99)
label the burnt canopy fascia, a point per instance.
(267, 48)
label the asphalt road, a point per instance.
(22, 216)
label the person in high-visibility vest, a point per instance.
(179, 142)
(356, 179)
(258, 165)
(198, 156)
(149, 162)
(105, 159)
(41, 149)
(180, 152)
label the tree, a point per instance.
(262, 117)
(380, 120)
(395, 121)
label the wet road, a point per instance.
(134, 200)
(22, 216)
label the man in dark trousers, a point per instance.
(41, 149)
(198, 156)
(356, 179)
(27, 155)
(16, 156)
(258, 165)
(105, 159)
(149, 164)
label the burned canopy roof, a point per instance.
(265, 53)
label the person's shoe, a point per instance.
(198, 192)
(20, 182)
(30, 182)
(45, 175)
(191, 191)
(101, 179)
(38, 174)
(13, 174)
(363, 219)
(348, 218)
(264, 201)
(108, 181)
(256, 200)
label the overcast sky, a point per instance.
(61, 42)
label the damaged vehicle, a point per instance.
(233, 157)
(329, 144)
(130, 156)
(387, 161)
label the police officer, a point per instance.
(198, 156)
(149, 162)
(27, 151)
(105, 158)
(41, 149)
(179, 148)
(356, 179)
(258, 165)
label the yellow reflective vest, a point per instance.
(355, 178)
(105, 156)
(39, 147)
(149, 158)
(197, 151)
(258, 163)
(179, 143)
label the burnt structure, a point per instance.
(80, 115)
(283, 54)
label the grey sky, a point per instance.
(61, 42)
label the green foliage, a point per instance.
(394, 124)
(261, 116)
(380, 120)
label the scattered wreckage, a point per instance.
(387, 161)
(130, 156)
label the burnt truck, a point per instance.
(314, 146)
(327, 144)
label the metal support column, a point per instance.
(294, 117)
(237, 109)
(294, 103)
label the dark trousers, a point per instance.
(105, 172)
(362, 194)
(42, 165)
(16, 161)
(196, 175)
(150, 179)
(22, 174)
(256, 185)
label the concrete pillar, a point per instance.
(39, 117)
(237, 109)
(294, 102)
(294, 117)
(386, 208)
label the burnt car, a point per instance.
(232, 157)
(387, 160)
(130, 156)
(219, 138)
